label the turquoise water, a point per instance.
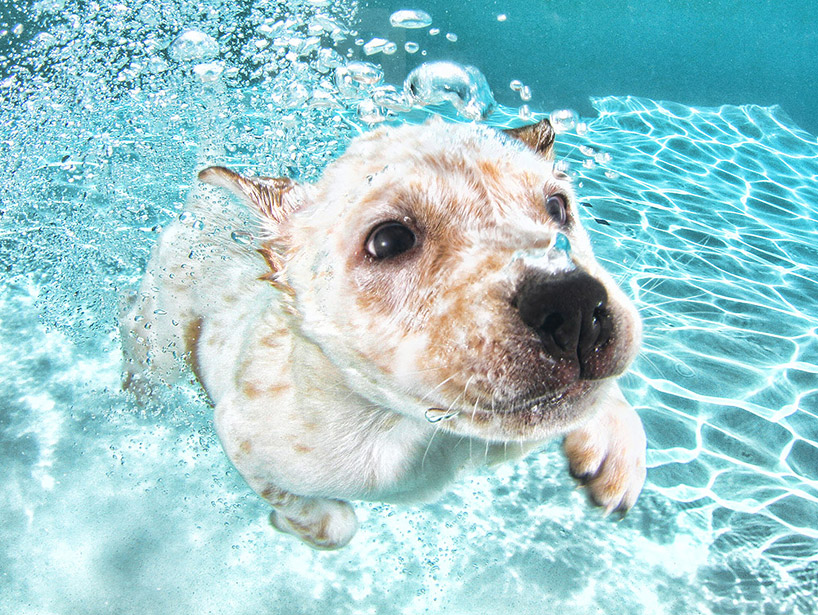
(706, 215)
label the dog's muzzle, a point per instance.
(569, 312)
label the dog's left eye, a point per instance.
(389, 239)
(557, 208)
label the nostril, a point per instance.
(598, 333)
(598, 314)
(551, 323)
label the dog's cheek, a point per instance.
(375, 309)
(469, 329)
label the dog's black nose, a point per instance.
(569, 312)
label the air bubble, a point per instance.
(411, 47)
(524, 112)
(303, 47)
(502, 17)
(376, 45)
(327, 60)
(525, 93)
(370, 113)
(45, 41)
(157, 65)
(364, 72)
(193, 44)
(435, 415)
(321, 99)
(434, 31)
(516, 85)
(187, 216)
(270, 30)
(336, 31)
(390, 48)
(356, 78)
(561, 243)
(451, 37)
(289, 95)
(390, 98)
(564, 120)
(209, 72)
(410, 19)
(242, 237)
(464, 86)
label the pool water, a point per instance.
(706, 216)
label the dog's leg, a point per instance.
(607, 454)
(320, 522)
(139, 332)
(153, 340)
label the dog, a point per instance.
(430, 304)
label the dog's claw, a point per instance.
(607, 456)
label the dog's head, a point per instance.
(443, 268)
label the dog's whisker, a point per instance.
(428, 447)
(473, 413)
(429, 393)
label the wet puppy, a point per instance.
(431, 303)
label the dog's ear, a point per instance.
(539, 137)
(272, 197)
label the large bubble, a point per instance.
(463, 86)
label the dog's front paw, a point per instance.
(607, 455)
(322, 524)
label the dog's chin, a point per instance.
(535, 417)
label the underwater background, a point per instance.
(704, 211)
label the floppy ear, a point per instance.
(270, 196)
(539, 137)
(274, 199)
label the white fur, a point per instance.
(336, 378)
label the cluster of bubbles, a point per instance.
(278, 46)
(284, 53)
(407, 19)
(288, 52)
(131, 100)
(361, 84)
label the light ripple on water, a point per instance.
(707, 216)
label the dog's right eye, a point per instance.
(557, 208)
(389, 239)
